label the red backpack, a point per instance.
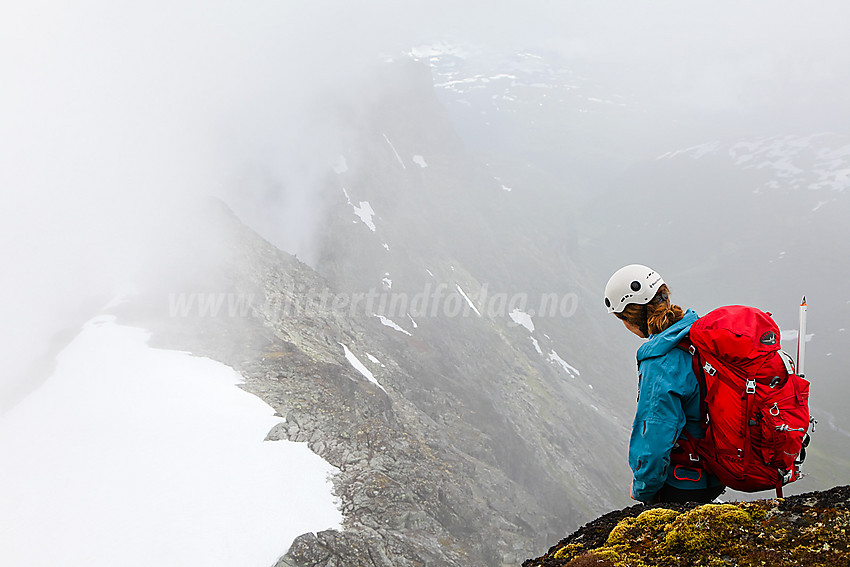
(755, 407)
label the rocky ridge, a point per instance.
(435, 467)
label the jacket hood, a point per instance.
(665, 341)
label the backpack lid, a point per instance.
(737, 334)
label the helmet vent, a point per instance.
(635, 286)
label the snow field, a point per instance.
(130, 455)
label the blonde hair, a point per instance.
(653, 317)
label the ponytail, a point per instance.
(660, 313)
(653, 317)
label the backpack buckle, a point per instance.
(693, 458)
(709, 369)
(751, 386)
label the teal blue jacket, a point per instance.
(668, 401)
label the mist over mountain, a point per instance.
(395, 224)
(743, 217)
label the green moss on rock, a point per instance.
(711, 526)
(569, 551)
(804, 531)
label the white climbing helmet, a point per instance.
(631, 284)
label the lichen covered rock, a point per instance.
(806, 531)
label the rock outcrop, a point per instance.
(808, 530)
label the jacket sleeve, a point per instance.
(659, 420)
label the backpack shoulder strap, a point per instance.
(686, 345)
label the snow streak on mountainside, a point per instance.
(136, 456)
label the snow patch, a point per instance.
(364, 211)
(386, 282)
(536, 345)
(504, 187)
(359, 366)
(391, 324)
(555, 359)
(398, 157)
(468, 301)
(694, 152)
(135, 456)
(420, 161)
(797, 162)
(522, 318)
(374, 360)
(439, 49)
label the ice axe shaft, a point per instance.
(801, 340)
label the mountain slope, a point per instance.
(478, 458)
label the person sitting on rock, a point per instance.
(668, 391)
